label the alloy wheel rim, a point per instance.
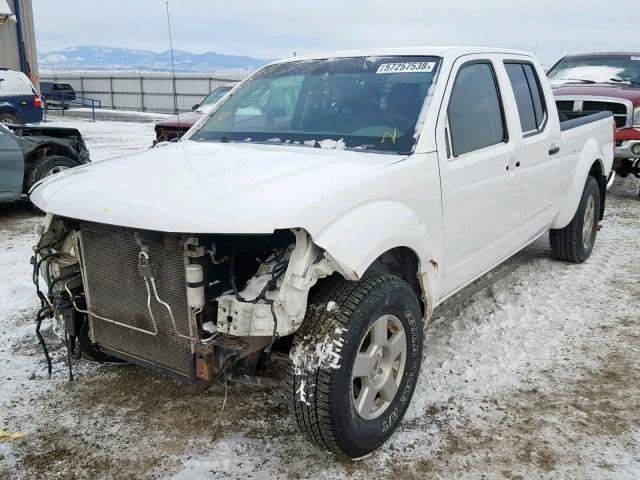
(7, 121)
(56, 169)
(589, 221)
(378, 367)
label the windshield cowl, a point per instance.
(325, 144)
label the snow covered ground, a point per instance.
(125, 132)
(531, 372)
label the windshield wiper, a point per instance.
(577, 80)
(626, 81)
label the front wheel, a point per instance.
(52, 165)
(355, 363)
(574, 243)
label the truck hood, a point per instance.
(199, 187)
(617, 91)
(185, 120)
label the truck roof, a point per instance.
(452, 51)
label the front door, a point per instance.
(480, 180)
(11, 167)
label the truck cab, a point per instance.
(595, 82)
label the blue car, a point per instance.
(19, 101)
(30, 153)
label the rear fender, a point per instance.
(591, 153)
(9, 108)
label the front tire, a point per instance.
(52, 165)
(574, 243)
(355, 362)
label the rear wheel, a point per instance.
(355, 363)
(9, 118)
(574, 243)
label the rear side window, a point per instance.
(536, 93)
(529, 98)
(476, 117)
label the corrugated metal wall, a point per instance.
(9, 56)
(148, 92)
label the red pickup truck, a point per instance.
(176, 126)
(594, 82)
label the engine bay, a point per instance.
(193, 306)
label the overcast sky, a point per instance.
(275, 28)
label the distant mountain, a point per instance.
(103, 58)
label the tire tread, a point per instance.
(313, 420)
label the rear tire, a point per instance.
(355, 362)
(9, 119)
(574, 243)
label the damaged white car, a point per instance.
(318, 215)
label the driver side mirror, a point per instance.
(195, 107)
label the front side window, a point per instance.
(364, 103)
(529, 98)
(476, 117)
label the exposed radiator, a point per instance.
(115, 290)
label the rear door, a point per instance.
(539, 153)
(481, 187)
(11, 167)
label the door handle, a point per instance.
(554, 150)
(513, 165)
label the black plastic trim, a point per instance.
(578, 122)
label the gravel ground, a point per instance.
(531, 372)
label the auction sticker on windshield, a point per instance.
(413, 67)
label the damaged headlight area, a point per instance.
(192, 306)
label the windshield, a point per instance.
(215, 96)
(364, 103)
(614, 69)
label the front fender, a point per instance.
(590, 154)
(359, 237)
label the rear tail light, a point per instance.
(37, 101)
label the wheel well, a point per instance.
(39, 154)
(597, 172)
(401, 262)
(8, 108)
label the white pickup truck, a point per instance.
(316, 217)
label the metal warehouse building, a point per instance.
(18, 38)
